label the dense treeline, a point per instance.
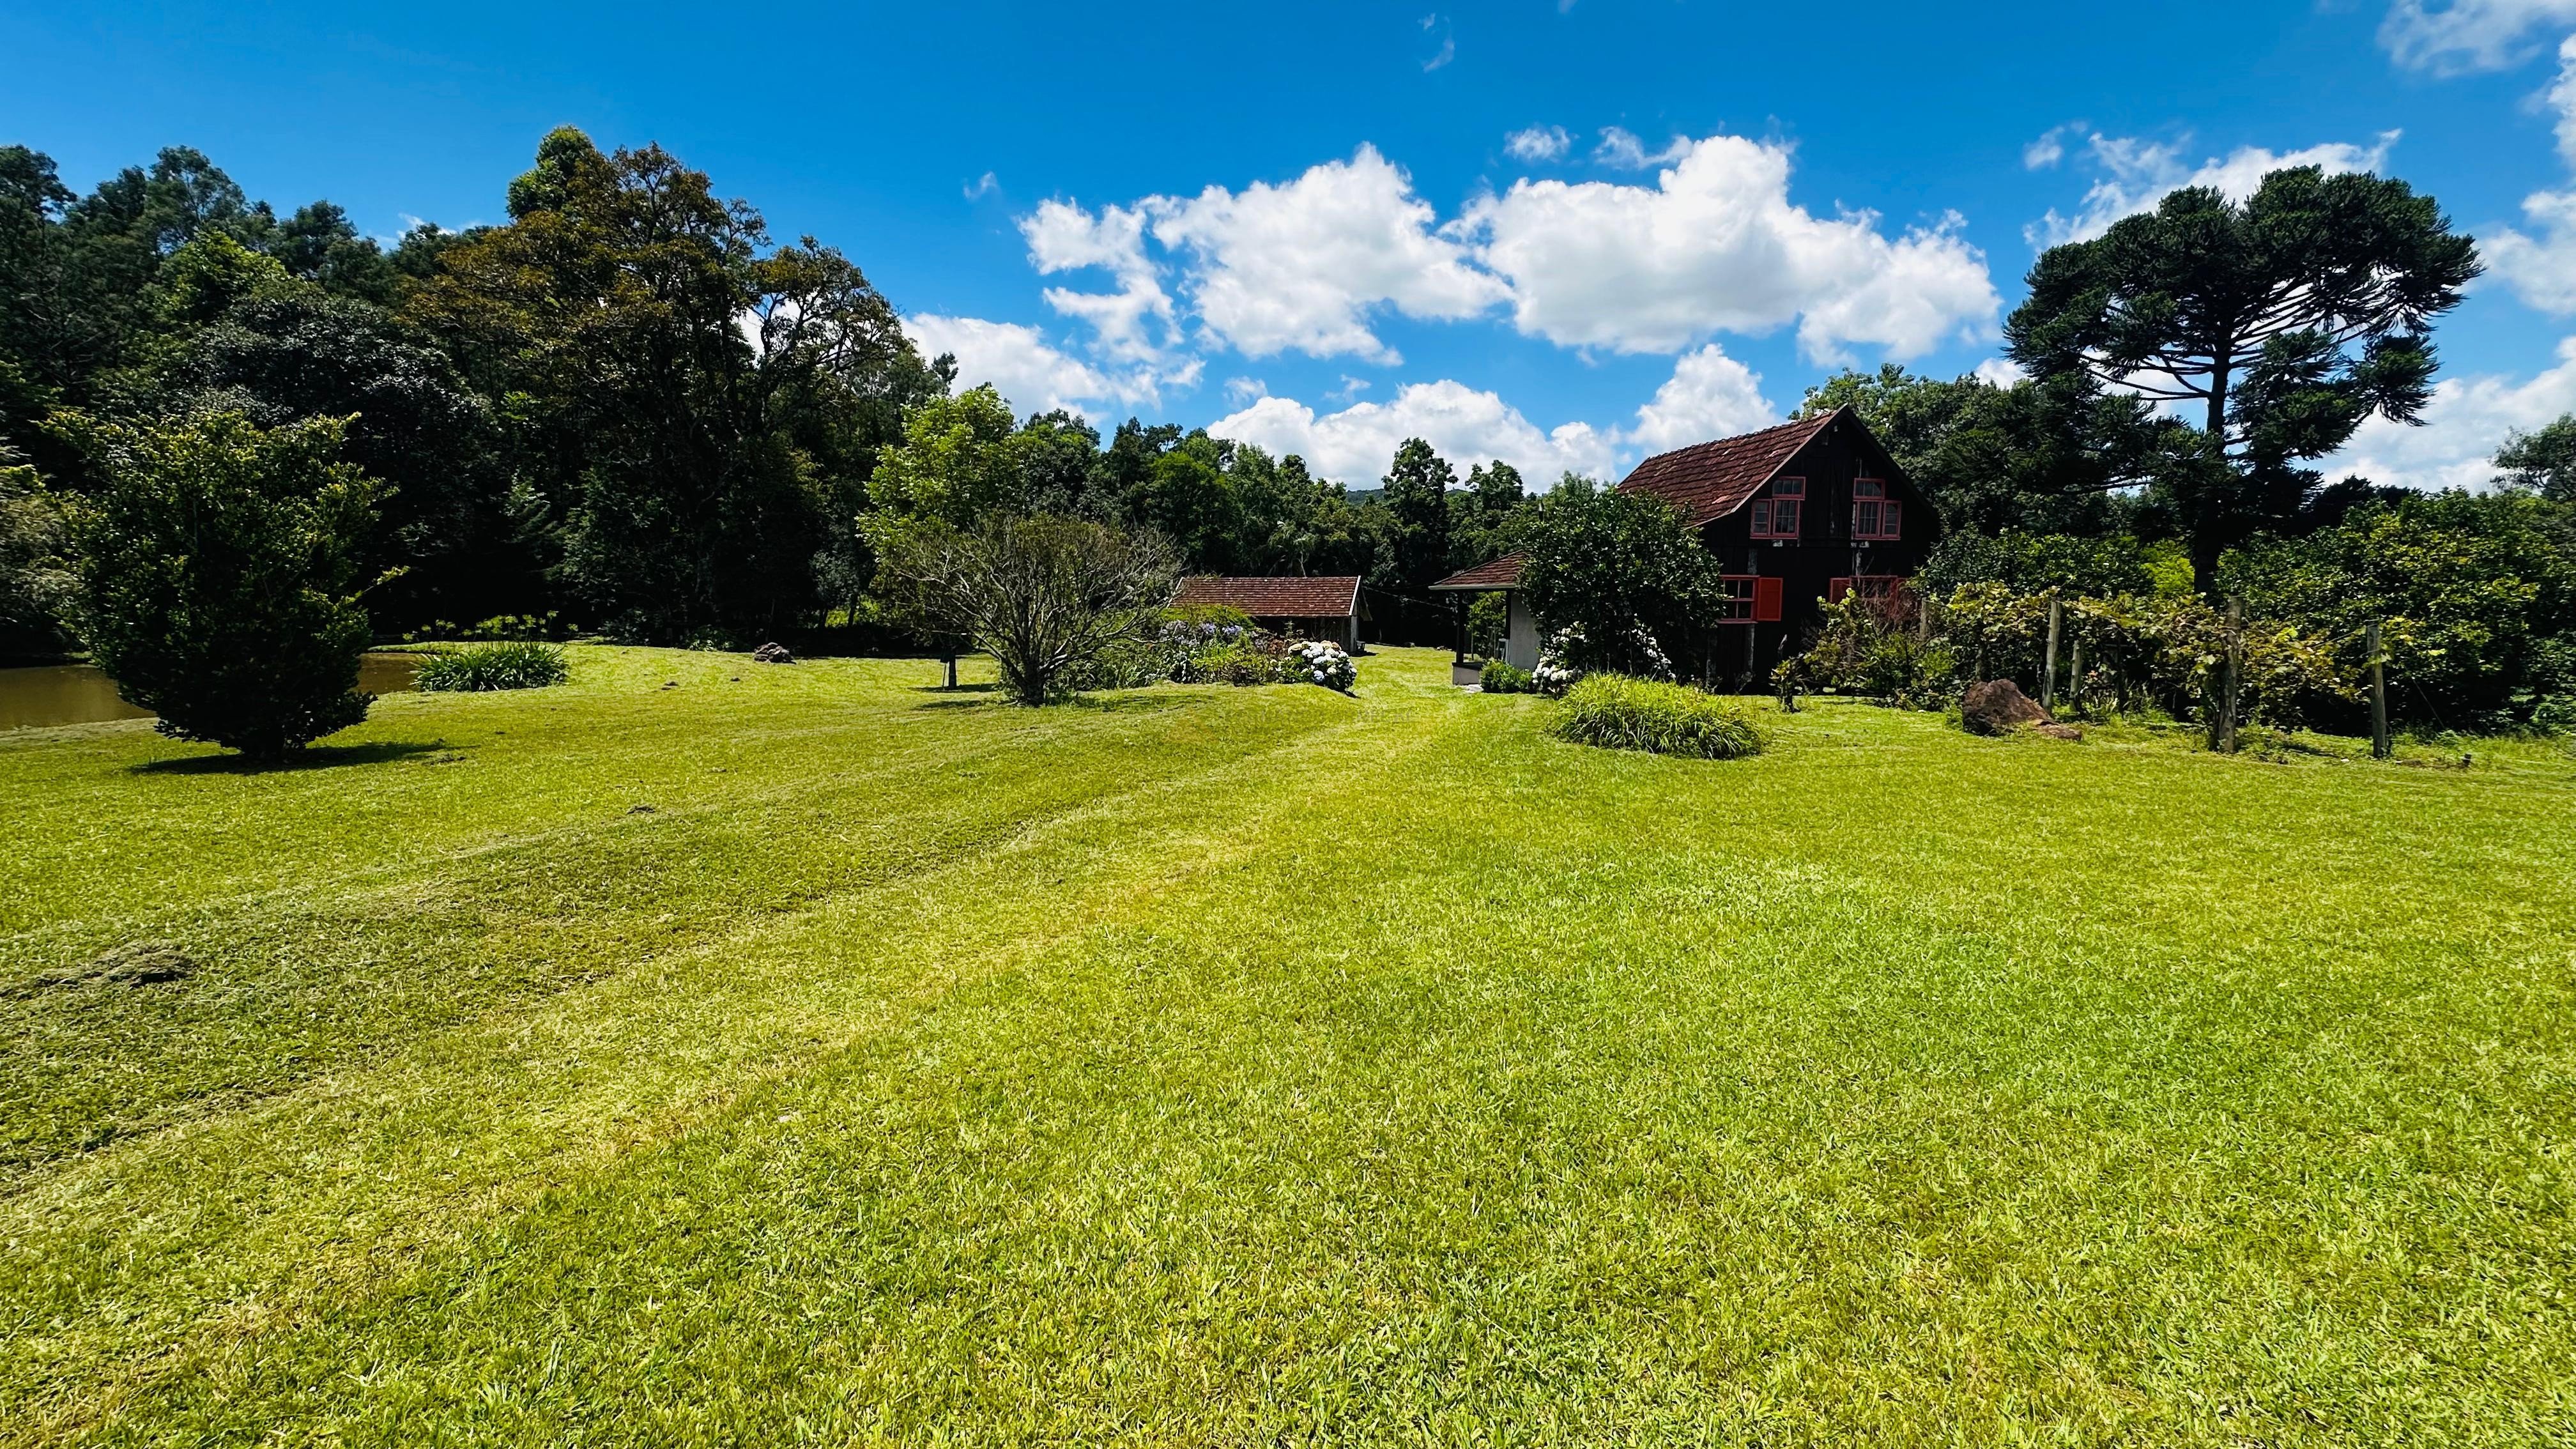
(627, 407)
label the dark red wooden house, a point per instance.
(1794, 515)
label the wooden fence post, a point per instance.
(2378, 692)
(1923, 618)
(2048, 671)
(2075, 677)
(2235, 673)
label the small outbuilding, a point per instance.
(1303, 607)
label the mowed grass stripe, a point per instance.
(1450, 1084)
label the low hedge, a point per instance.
(517, 665)
(1501, 678)
(1620, 713)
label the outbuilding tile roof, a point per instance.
(1502, 573)
(1714, 479)
(1334, 596)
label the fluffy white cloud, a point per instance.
(2541, 266)
(1028, 370)
(1999, 372)
(2464, 423)
(2467, 35)
(1064, 238)
(1538, 143)
(1709, 395)
(1620, 147)
(1715, 245)
(1299, 266)
(2050, 148)
(1467, 425)
(2136, 174)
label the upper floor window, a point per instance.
(1776, 515)
(1874, 514)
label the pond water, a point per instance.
(63, 694)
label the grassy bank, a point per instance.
(1244, 1065)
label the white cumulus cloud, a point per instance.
(1715, 245)
(2136, 174)
(1466, 425)
(1709, 395)
(1620, 147)
(1538, 143)
(1299, 266)
(2464, 423)
(1025, 368)
(2540, 265)
(2468, 35)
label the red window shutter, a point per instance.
(1766, 601)
(1835, 589)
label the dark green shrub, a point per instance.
(1501, 678)
(518, 665)
(219, 578)
(1621, 713)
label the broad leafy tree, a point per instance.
(693, 406)
(1620, 578)
(2542, 461)
(1417, 487)
(220, 567)
(2284, 320)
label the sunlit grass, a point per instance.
(1259, 1065)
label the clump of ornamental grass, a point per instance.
(517, 664)
(1622, 713)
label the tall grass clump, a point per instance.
(518, 664)
(1622, 713)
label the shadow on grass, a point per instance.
(311, 757)
(988, 687)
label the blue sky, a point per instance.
(1566, 232)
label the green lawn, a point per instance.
(1260, 1066)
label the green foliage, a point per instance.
(2097, 567)
(1622, 713)
(2142, 652)
(36, 584)
(1417, 487)
(523, 664)
(1619, 576)
(2542, 462)
(218, 578)
(2475, 596)
(1043, 595)
(1221, 616)
(1870, 645)
(1501, 678)
(696, 413)
(1489, 622)
(2289, 317)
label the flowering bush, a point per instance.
(1556, 672)
(1321, 661)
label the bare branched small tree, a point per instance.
(1040, 594)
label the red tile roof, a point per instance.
(1712, 480)
(1333, 597)
(1502, 573)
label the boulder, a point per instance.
(772, 653)
(1998, 707)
